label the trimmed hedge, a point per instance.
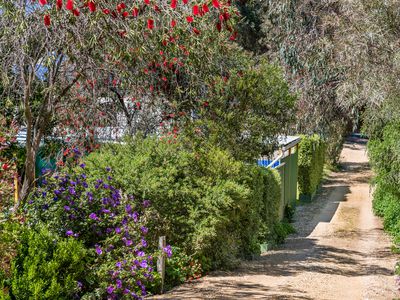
(212, 207)
(384, 156)
(311, 165)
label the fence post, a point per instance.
(16, 189)
(161, 261)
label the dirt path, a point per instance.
(339, 251)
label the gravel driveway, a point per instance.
(339, 251)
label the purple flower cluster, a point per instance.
(168, 250)
(95, 212)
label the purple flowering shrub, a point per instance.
(94, 211)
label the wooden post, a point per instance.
(16, 195)
(161, 261)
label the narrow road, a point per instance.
(339, 251)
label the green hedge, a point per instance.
(311, 165)
(214, 208)
(384, 153)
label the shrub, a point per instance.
(385, 159)
(181, 268)
(311, 165)
(48, 267)
(107, 222)
(213, 207)
(282, 230)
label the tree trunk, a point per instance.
(29, 177)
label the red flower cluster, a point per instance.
(122, 10)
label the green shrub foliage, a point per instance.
(47, 266)
(311, 164)
(212, 207)
(384, 153)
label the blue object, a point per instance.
(265, 163)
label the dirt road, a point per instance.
(339, 251)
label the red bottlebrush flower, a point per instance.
(76, 12)
(233, 36)
(189, 19)
(147, 2)
(5, 167)
(92, 6)
(150, 24)
(196, 31)
(125, 14)
(42, 2)
(59, 4)
(135, 12)
(156, 8)
(219, 26)
(173, 4)
(185, 1)
(173, 23)
(106, 11)
(121, 6)
(216, 4)
(195, 10)
(69, 5)
(47, 20)
(205, 8)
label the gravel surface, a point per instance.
(339, 251)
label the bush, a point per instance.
(385, 159)
(214, 208)
(181, 268)
(311, 165)
(48, 267)
(108, 223)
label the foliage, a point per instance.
(181, 268)
(47, 266)
(282, 230)
(8, 166)
(86, 65)
(9, 240)
(289, 213)
(248, 111)
(110, 225)
(311, 164)
(334, 142)
(303, 37)
(213, 207)
(385, 160)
